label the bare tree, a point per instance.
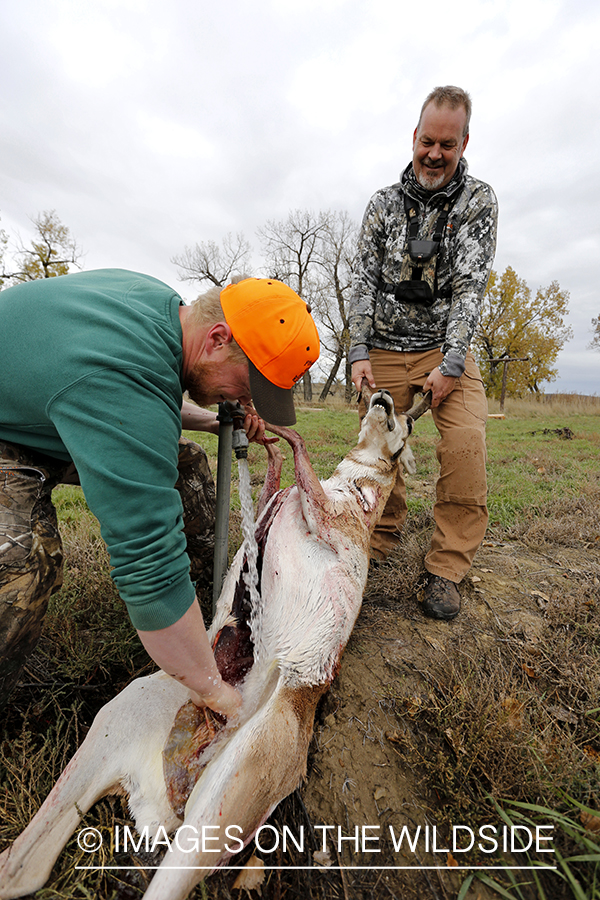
(3, 243)
(207, 261)
(53, 251)
(337, 248)
(595, 342)
(291, 248)
(313, 253)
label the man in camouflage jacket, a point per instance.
(412, 319)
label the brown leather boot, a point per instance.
(441, 598)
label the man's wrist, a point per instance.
(452, 365)
(358, 353)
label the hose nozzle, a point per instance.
(239, 439)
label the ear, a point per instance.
(217, 338)
(464, 146)
(408, 461)
(415, 137)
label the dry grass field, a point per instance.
(492, 720)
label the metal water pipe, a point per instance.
(232, 436)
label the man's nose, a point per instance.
(435, 152)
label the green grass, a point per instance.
(530, 464)
(585, 844)
(526, 467)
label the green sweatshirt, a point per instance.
(90, 371)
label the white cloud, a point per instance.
(174, 139)
(150, 126)
(93, 51)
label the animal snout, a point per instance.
(380, 396)
(384, 399)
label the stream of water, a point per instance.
(250, 546)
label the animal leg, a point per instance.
(122, 748)
(239, 789)
(26, 865)
(315, 503)
(273, 476)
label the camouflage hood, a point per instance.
(411, 186)
(384, 320)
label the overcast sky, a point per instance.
(149, 126)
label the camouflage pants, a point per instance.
(197, 489)
(31, 555)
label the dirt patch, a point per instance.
(395, 666)
(424, 720)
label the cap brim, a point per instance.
(272, 403)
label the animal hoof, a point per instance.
(441, 598)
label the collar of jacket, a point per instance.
(409, 183)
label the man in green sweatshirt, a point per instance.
(93, 367)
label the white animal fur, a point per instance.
(314, 569)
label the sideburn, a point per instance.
(200, 381)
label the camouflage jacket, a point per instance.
(464, 261)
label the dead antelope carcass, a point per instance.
(283, 654)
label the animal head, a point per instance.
(385, 433)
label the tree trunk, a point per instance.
(331, 376)
(307, 384)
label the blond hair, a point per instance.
(206, 311)
(451, 96)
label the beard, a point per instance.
(200, 381)
(431, 180)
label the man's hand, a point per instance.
(254, 426)
(439, 385)
(362, 369)
(222, 699)
(195, 418)
(182, 650)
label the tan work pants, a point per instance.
(31, 554)
(460, 510)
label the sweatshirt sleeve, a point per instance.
(122, 433)
(474, 251)
(366, 276)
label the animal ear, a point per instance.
(407, 459)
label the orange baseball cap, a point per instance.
(276, 331)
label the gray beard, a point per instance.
(430, 182)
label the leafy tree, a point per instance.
(595, 342)
(207, 261)
(515, 323)
(53, 251)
